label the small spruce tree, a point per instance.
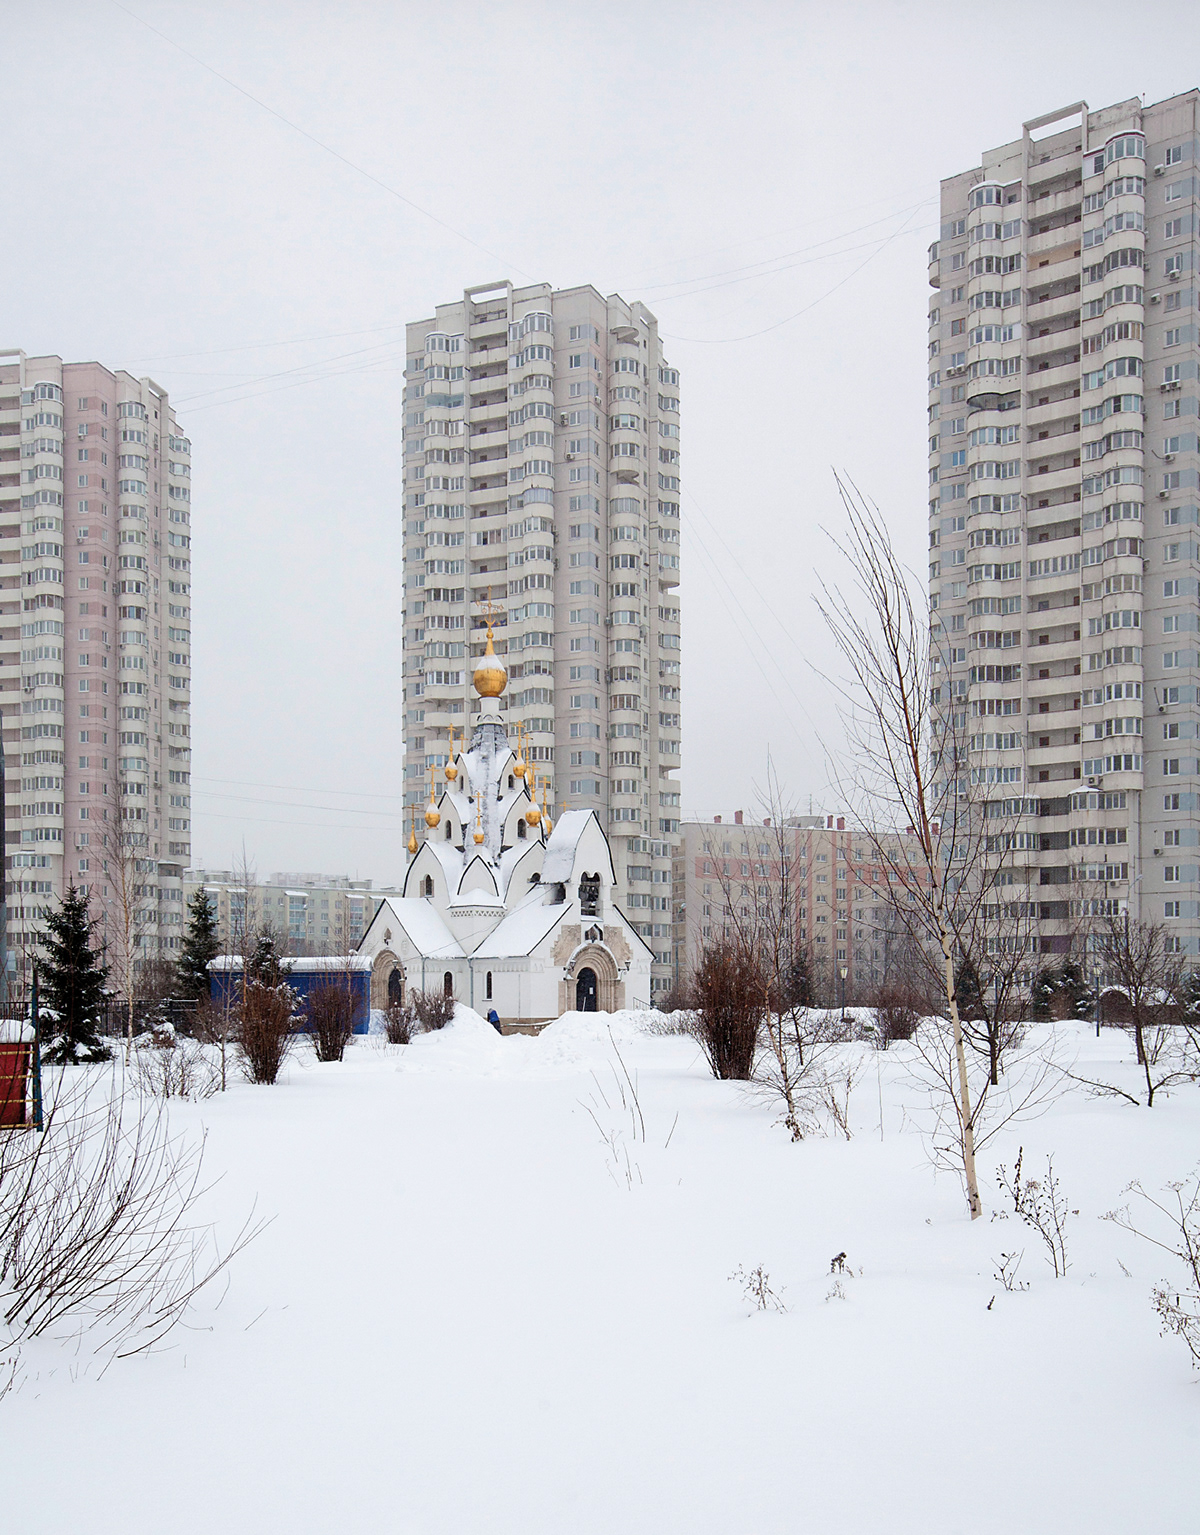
(969, 990)
(72, 977)
(264, 966)
(200, 947)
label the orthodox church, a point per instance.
(504, 908)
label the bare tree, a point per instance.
(907, 770)
(1151, 978)
(125, 918)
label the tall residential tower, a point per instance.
(541, 479)
(1064, 547)
(95, 641)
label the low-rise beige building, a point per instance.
(843, 913)
(309, 913)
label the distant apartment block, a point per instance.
(95, 639)
(311, 914)
(542, 484)
(844, 911)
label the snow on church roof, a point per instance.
(424, 926)
(523, 928)
(560, 850)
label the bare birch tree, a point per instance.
(906, 769)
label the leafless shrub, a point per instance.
(665, 1024)
(835, 1089)
(178, 1068)
(1007, 1265)
(214, 1023)
(399, 1022)
(730, 1002)
(1177, 1304)
(264, 1030)
(434, 1009)
(331, 1018)
(897, 1014)
(1043, 1206)
(756, 1287)
(97, 1221)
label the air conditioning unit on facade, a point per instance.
(1093, 783)
(1160, 170)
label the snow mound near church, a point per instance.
(590, 1029)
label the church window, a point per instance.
(489, 985)
(589, 895)
(427, 886)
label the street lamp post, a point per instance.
(842, 974)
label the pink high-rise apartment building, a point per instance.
(95, 641)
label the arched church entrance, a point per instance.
(387, 980)
(586, 990)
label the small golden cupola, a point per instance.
(490, 677)
(433, 815)
(412, 836)
(451, 769)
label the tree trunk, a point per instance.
(964, 1091)
(994, 1053)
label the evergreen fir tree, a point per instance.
(969, 991)
(265, 966)
(200, 946)
(799, 981)
(1041, 995)
(72, 982)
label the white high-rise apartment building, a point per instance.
(541, 476)
(1064, 538)
(95, 641)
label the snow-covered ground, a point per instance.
(489, 1302)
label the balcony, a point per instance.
(1047, 250)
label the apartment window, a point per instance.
(1170, 767)
(1170, 801)
(1172, 337)
(1174, 155)
(1171, 373)
(1172, 228)
(1171, 908)
(1173, 263)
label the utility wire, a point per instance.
(312, 138)
(753, 335)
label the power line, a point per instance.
(312, 138)
(261, 346)
(753, 335)
(247, 783)
(804, 250)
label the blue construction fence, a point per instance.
(303, 976)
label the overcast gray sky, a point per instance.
(758, 171)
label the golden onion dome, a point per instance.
(533, 815)
(451, 772)
(490, 677)
(412, 842)
(519, 768)
(432, 816)
(478, 839)
(547, 825)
